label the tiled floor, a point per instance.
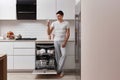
(29, 76)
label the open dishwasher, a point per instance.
(45, 62)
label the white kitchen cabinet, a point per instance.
(70, 59)
(7, 9)
(70, 48)
(10, 62)
(24, 52)
(24, 45)
(24, 55)
(24, 62)
(7, 48)
(20, 55)
(68, 7)
(46, 9)
(70, 62)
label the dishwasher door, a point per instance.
(44, 71)
(45, 59)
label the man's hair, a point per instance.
(61, 13)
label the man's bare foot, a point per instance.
(60, 75)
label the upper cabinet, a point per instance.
(7, 9)
(68, 7)
(46, 9)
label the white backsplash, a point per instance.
(29, 28)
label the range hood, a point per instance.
(26, 9)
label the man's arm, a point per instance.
(66, 38)
(49, 29)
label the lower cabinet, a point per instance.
(70, 49)
(70, 59)
(70, 62)
(10, 62)
(22, 57)
(24, 62)
(6, 48)
(24, 52)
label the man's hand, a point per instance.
(66, 38)
(49, 29)
(48, 23)
(63, 45)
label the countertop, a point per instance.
(31, 40)
(2, 56)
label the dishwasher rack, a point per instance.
(45, 62)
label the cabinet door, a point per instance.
(70, 59)
(70, 62)
(9, 62)
(7, 48)
(68, 7)
(7, 9)
(24, 62)
(70, 49)
(24, 45)
(24, 52)
(46, 9)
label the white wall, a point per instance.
(29, 28)
(100, 39)
(78, 7)
(77, 1)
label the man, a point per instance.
(61, 32)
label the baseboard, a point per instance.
(30, 71)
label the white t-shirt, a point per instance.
(59, 30)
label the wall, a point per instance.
(78, 7)
(100, 39)
(29, 28)
(77, 1)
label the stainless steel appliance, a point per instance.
(78, 40)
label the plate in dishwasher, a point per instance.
(44, 71)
